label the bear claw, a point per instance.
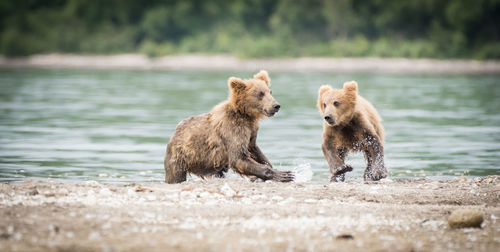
(344, 168)
(283, 176)
(339, 175)
(338, 178)
(377, 175)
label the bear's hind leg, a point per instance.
(374, 154)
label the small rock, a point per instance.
(49, 194)
(344, 237)
(386, 181)
(463, 218)
(142, 189)
(460, 179)
(63, 191)
(92, 183)
(33, 192)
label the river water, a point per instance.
(113, 125)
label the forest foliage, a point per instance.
(254, 28)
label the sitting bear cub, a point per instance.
(211, 143)
(351, 123)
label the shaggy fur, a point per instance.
(351, 123)
(209, 144)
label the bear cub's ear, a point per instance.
(236, 84)
(351, 86)
(263, 75)
(323, 89)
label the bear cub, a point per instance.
(350, 124)
(226, 137)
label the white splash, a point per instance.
(302, 170)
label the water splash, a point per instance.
(302, 170)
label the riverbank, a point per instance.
(230, 63)
(237, 215)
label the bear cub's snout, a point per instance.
(330, 120)
(276, 107)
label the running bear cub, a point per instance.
(351, 123)
(209, 144)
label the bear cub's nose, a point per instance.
(329, 119)
(277, 107)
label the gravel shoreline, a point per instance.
(237, 215)
(230, 63)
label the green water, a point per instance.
(113, 126)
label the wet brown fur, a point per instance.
(209, 144)
(355, 126)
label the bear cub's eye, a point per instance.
(324, 105)
(336, 103)
(261, 94)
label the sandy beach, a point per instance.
(237, 215)
(230, 63)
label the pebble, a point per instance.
(463, 218)
(92, 183)
(63, 191)
(344, 237)
(386, 181)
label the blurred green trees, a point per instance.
(254, 28)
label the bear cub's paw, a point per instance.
(378, 174)
(340, 173)
(283, 176)
(338, 178)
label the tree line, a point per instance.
(254, 28)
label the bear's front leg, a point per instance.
(174, 172)
(258, 156)
(248, 166)
(335, 158)
(256, 153)
(374, 153)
